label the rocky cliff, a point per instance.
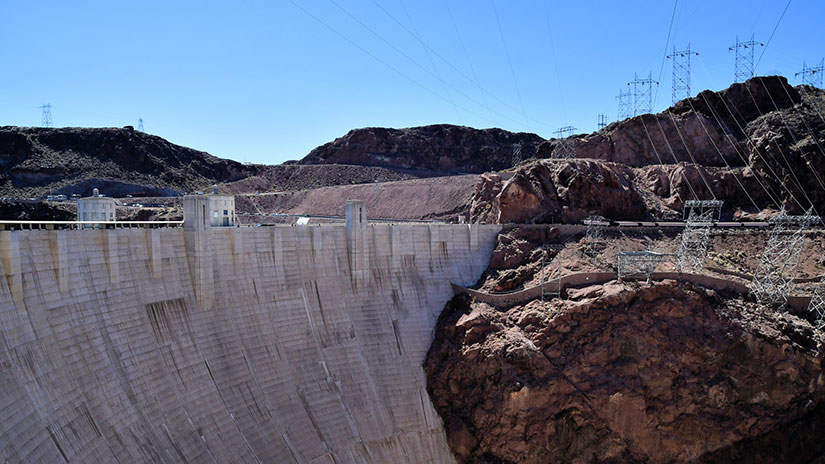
(440, 147)
(760, 142)
(621, 373)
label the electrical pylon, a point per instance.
(642, 92)
(743, 64)
(681, 73)
(564, 145)
(46, 115)
(693, 248)
(625, 105)
(812, 75)
(773, 279)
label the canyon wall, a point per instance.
(271, 344)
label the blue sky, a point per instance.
(268, 81)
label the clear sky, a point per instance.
(267, 81)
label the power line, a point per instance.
(774, 197)
(772, 33)
(410, 59)
(667, 41)
(510, 62)
(430, 58)
(466, 55)
(373, 56)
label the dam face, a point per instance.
(274, 345)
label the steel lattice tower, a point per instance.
(594, 235)
(642, 92)
(46, 116)
(564, 146)
(817, 305)
(773, 279)
(140, 124)
(693, 248)
(743, 66)
(812, 76)
(554, 290)
(625, 105)
(637, 263)
(681, 73)
(602, 121)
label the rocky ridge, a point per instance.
(625, 373)
(756, 142)
(441, 147)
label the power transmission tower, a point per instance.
(46, 115)
(637, 263)
(625, 105)
(553, 290)
(743, 66)
(140, 124)
(564, 145)
(681, 72)
(602, 121)
(594, 236)
(516, 159)
(642, 92)
(817, 305)
(812, 76)
(773, 279)
(693, 249)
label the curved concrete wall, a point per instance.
(230, 345)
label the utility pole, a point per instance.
(46, 115)
(743, 66)
(642, 92)
(564, 145)
(625, 105)
(681, 73)
(812, 76)
(602, 121)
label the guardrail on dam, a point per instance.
(279, 344)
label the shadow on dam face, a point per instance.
(280, 344)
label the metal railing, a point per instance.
(76, 225)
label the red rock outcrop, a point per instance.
(665, 373)
(557, 191)
(438, 147)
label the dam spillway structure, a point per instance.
(217, 343)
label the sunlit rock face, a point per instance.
(666, 373)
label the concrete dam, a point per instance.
(225, 344)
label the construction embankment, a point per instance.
(277, 344)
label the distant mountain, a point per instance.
(39, 161)
(441, 147)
